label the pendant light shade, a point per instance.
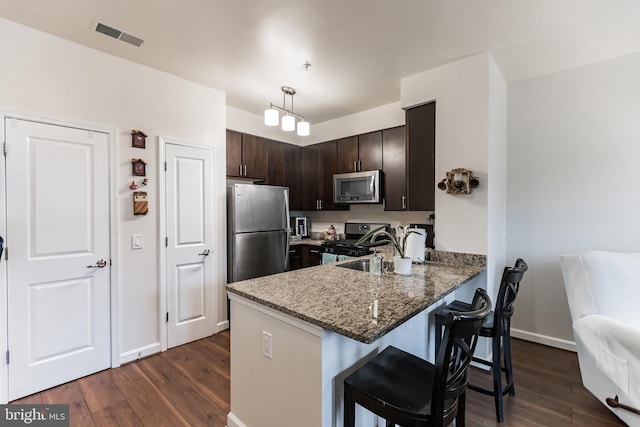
(303, 128)
(288, 123)
(271, 117)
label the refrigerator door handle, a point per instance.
(288, 228)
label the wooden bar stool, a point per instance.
(496, 326)
(409, 391)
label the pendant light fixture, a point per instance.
(288, 122)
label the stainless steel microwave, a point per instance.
(357, 187)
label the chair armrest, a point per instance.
(615, 347)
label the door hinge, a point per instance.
(165, 166)
(166, 242)
(167, 322)
(4, 148)
(7, 357)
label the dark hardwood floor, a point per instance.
(189, 386)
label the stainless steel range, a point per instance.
(353, 232)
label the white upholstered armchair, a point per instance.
(603, 289)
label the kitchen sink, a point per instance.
(363, 265)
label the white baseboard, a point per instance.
(544, 339)
(233, 421)
(139, 353)
(221, 326)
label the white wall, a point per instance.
(574, 148)
(46, 76)
(461, 92)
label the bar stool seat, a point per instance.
(407, 390)
(497, 327)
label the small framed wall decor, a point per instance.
(138, 167)
(138, 138)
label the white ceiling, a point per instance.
(358, 49)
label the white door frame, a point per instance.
(162, 229)
(113, 238)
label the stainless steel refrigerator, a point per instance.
(257, 231)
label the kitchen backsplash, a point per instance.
(321, 221)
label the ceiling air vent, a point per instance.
(117, 34)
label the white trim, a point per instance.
(544, 339)
(222, 326)
(114, 229)
(162, 236)
(233, 421)
(4, 319)
(139, 353)
(113, 234)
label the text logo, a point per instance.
(34, 415)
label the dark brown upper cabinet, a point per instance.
(394, 161)
(320, 162)
(293, 175)
(360, 152)
(275, 172)
(409, 161)
(421, 157)
(246, 156)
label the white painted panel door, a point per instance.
(190, 287)
(58, 267)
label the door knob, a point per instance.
(205, 252)
(99, 264)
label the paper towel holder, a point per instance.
(459, 181)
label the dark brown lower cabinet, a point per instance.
(295, 257)
(303, 256)
(311, 255)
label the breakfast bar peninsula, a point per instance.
(295, 336)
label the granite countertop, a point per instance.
(356, 304)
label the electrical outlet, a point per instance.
(266, 344)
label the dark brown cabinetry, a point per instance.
(421, 156)
(360, 153)
(245, 156)
(409, 162)
(311, 255)
(394, 168)
(295, 257)
(319, 163)
(303, 256)
(275, 161)
(234, 153)
(310, 177)
(293, 175)
(406, 155)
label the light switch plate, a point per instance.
(136, 241)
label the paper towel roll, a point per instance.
(415, 244)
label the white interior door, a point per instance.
(189, 259)
(58, 269)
